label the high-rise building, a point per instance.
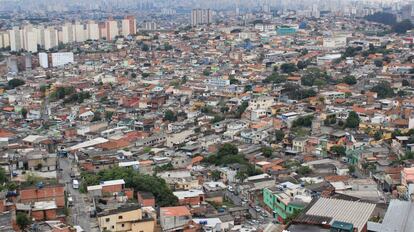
(111, 29)
(150, 26)
(5, 39)
(41, 36)
(201, 17)
(16, 39)
(93, 30)
(79, 32)
(31, 41)
(129, 26)
(51, 38)
(67, 33)
(43, 60)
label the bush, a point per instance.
(13, 83)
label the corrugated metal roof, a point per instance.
(353, 212)
(399, 217)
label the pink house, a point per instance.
(407, 176)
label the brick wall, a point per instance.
(48, 193)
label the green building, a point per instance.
(286, 199)
(285, 30)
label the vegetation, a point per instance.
(304, 170)
(338, 150)
(22, 220)
(267, 151)
(383, 90)
(288, 68)
(169, 115)
(350, 80)
(77, 97)
(403, 26)
(13, 83)
(275, 78)
(305, 121)
(240, 110)
(279, 135)
(315, 76)
(137, 181)
(165, 167)
(353, 120)
(229, 154)
(61, 93)
(295, 92)
(382, 17)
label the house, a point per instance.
(146, 199)
(107, 187)
(398, 217)
(190, 197)
(174, 218)
(126, 218)
(286, 199)
(43, 194)
(337, 214)
(407, 176)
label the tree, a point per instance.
(378, 63)
(108, 115)
(304, 170)
(351, 169)
(302, 64)
(305, 121)
(227, 149)
(383, 90)
(405, 82)
(96, 116)
(350, 80)
(315, 76)
(279, 135)
(206, 72)
(353, 120)
(3, 176)
(13, 83)
(288, 68)
(267, 151)
(248, 88)
(23, 112)
(22, 220)
(403, 26)
(338, 150)
(275, 78)
(240, 110)
(169, 115)
(378, 135)
(215, 175)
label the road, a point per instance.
(80, 209)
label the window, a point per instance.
(104, 228)
(113, 227)
(120, 217)
(123, 225)
(107, 219)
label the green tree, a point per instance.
(315, 76)
(304, 170)
(351, 169)
(350, 80)
(383, 90)
(267, 151)
(96, 116)
(288, 68)
(227, 149)
(169, 115)
(22, 220)
(279, 135)
(338, 150)
(215, 175)
(13, 83)
(305, 121)
(353, 120)
(248, 88)
(240, 110)
(403, 26)
(378, 135)
(275, 78)
(206, 72)
(108, 115)
(23, 112)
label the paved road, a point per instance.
(80, 208)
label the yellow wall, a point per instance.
(129, 220)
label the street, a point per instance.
(79, 212)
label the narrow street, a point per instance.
(79, 212)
